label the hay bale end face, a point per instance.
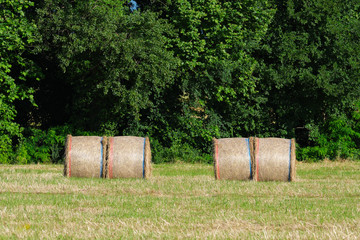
(274, 159)
(128, 157)
(84, 156)
(147, 162)
(232, 158)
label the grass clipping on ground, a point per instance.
(180, 201)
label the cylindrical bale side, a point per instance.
(232, 159)
(274, 159)
(84, 156)
(129, 157)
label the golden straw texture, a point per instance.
(128, 157)
(272, 159)
(232, 159)
(148, 168)
(83, 156)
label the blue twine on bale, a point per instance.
(144, 158)
(101, 157)
(248, 145)
(289, 178)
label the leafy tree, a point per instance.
(114, 63)
(181, 71)
(17, 34)
(214, 94)
(309, 63)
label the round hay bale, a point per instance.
(232, 159)
(84, 156)
(129, 157)
(274, 159)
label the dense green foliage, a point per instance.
(115, 65)
(214, 93)
(337, 138)
(16, 37)
(181, 72)
(310, 72)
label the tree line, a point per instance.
(181, 72)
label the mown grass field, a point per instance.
(180, 201)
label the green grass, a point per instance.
(180, 201)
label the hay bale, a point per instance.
(232, 159)
(84, 156)
(147, 162)
(129, 157)
(274, 159)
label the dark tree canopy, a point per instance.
(180, 72)
(310, 62)
(16, 39)
(114, 63)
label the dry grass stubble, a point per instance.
(180, 201)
